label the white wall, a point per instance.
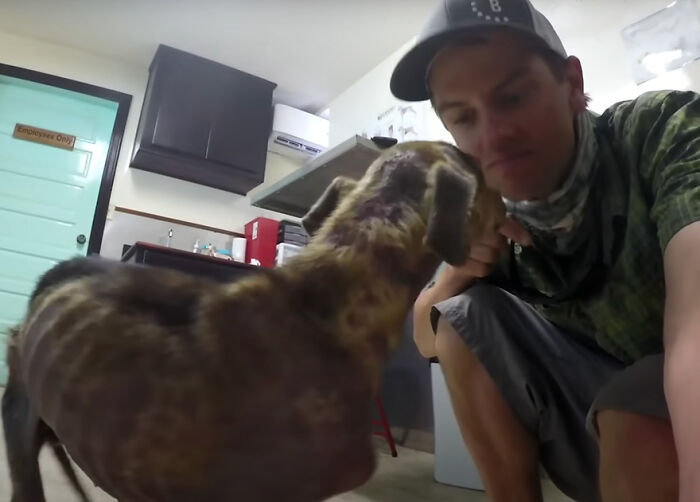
(590, 30)
(354, 109)
(133, 188)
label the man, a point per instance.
(600, 257)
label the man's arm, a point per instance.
(682, 359)
(453, 280)
(662, 134)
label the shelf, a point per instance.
(296, 193)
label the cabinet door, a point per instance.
(242, 122)
(184, 96)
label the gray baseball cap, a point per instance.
(454, 18)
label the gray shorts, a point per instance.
(555, 381)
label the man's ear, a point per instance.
(447, 228)
(327, 203)
(574, 75)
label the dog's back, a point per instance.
(25, 432)
(73, 269)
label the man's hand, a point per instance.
(682, 350)
(453, 280)
(486, 253)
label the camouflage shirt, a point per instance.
(646, 188)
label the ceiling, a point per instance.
(313, 49)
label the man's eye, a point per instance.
(511, 99)
(465, 118)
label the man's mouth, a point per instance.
(508, 161)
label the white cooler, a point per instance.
(453, 463)
(285, 251)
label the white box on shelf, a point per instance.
(285, 252)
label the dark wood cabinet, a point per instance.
(204, 122)
(241, 104)
(182, 107)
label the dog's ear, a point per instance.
(453, 197)
(326, 203)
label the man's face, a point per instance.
(504, 106)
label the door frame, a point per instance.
(124, 102)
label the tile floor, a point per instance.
(408, 478)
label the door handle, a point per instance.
(81, 239)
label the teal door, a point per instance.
(47, 194)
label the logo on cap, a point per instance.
(494, 15)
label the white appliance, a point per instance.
(296, 133)
(238, 245)
(453, 463)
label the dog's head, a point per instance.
(327, 203)
(435, 179)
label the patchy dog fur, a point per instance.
(168, 387)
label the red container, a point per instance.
(261, 241)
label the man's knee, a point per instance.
(635, 448)
(450, 347)
(633, 431)
(446, 339)
(481, 301)
(462, 368)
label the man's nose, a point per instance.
(497, 131)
